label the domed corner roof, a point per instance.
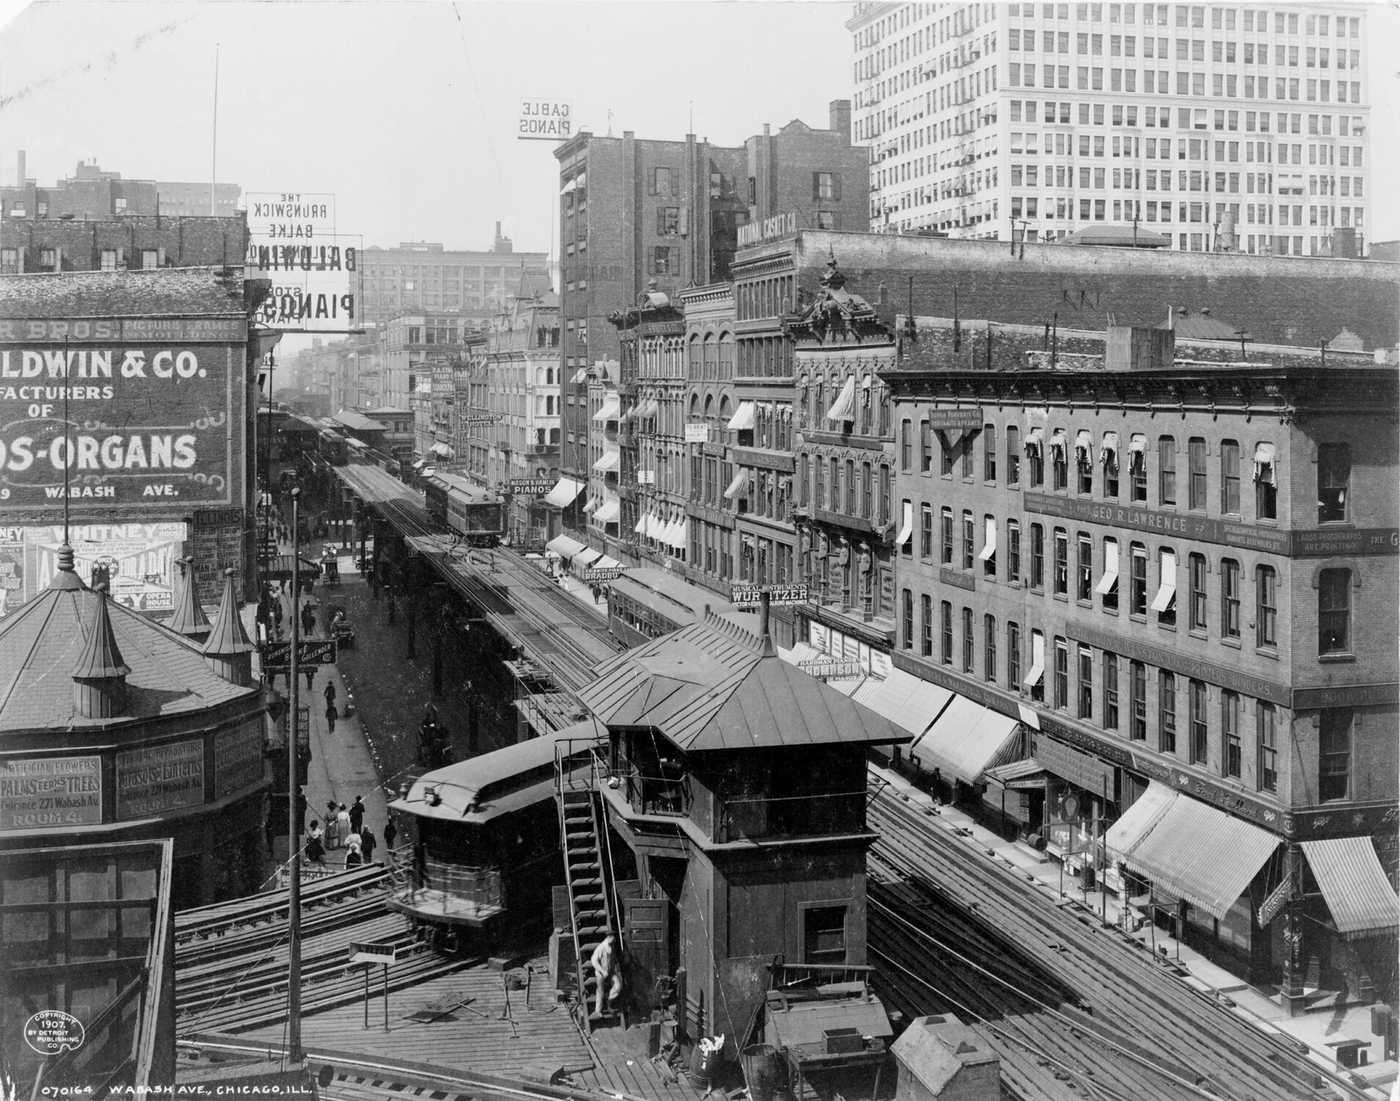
(46, 639)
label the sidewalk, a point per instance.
(1320, 1026)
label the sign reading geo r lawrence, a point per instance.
(545, 120)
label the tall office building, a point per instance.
(1218, 127)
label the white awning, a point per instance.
(419, 464)
(648, 408)
(989, 540)
(742, 420)
(1110, 568)
(844, 407)
(906, 525)
(1108, 450)
(1265, 464)
(965, 740)
(1058, 442)
(641, 526)
(607, 514)
(1035, 440)
(1166, 591)
(586, 558)
(442, 451)
(675, 533)
(581, 375)
(737, 485)
(1354, 885)
(606, 563)
(1037, 661)
(568, 187)
(563, 493)
(563, 546)
(1084, 447)
(1137, 821)
(1137, 445)
(904, 699)
(593, 503)
(609, 410)
(608, 462)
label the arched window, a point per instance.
(692, 365)
(726, 355)
(711, 356)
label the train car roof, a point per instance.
(455, 483)
(477, 789)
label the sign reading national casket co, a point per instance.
(149, 424)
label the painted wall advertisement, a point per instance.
(160, 778)
(50, 791)
(238, 759)
(137, 560)
(119, 416)
(315, 271)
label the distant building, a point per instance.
(91, 194)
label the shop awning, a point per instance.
(906, 525)
(1266, 464)
(736, 487)
(586, 558)
(1108, 450)
(1027, 775)
(742, 420)
(606, 563)
(641, 526)
(609, 410)
(607, 514)
(966, 739)
(676, 535)
(1353, 885)
(989, 540)
(653, 525)
(1083, 447)
(1166, 591)
(844, 407)
(1202, 854)
(1110, 568)
(608, 461)
(1137, 821)
(563, 493)
(563, 546)
(904, 699)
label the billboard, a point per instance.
(314, 270)
(121, 421)
(44, 792)
(137, 560)
(159, 778)
(545, 120)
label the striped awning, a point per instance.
(1354, 885)
(966, 739)
(1137, 821)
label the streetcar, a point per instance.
(475, 514)
(332, 447)
(485, 844)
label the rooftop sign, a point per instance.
(313, 269)
(776, 226)
(545, 120)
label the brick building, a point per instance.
(91, 194)
(129, 243)
(1154, 554)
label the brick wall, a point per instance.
(187, 242)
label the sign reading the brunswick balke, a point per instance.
(545, 120)
(50, 791)
(151, 421)
(314, 270)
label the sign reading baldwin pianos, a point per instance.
(45, 792)
(160, 778)
(149, 426)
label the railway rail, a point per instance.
(1073, 1009)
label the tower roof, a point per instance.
(227, 635)
(100, 658)
(189, 617)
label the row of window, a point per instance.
(1194, 15)
(1120, 694)
(1085, 44)
(1222, 85)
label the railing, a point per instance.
(454, 885)
(656, 793)
(770, 818)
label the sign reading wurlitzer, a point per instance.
(315, 272)
(133, 425)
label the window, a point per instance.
(967, 539)
(906, 446)
(1108, 583)
(1061, 577)
(150, 258)
(1013, 656)
(1265, 482)
(907, 607)
(966, 445)
(1110, 465)
(926, 448)
(989, 453)
(109, 259)
(946, 520)
(1037, 557)
(1333, 474)
(668, 221)
(9, 261)
(925, 531)
(824, 935)
(1084, 576)
(967, 640)
(1035, 458)
(1086, 683)
(1061, 673)
(926, 622)
(1196, 569)
(1166, 471)
(1035, 679)
(826, 185)
(1196, 462)
(1137, 596)
(989, 655)
(1059, 461)
(826, 219)
(663, 260)
(1137, 698)
(1333, 611)
(1230, 477)
(1229, 598)
(1266, 730)
(1110, 691)
(1137, 467)
(947, 451)
(661, 181)
(1196, 716)
(1013, 455)
(1166, 711)
(1164, 603)
(1266, 606)
(1013, 550)
(947, 654)
(1230, 733)
(988, 553)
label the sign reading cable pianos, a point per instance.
(545, 120)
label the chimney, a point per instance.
(839, 112)
(99, 678)
(19, 157)
(765, 636)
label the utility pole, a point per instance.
(294, 1052)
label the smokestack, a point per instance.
(839, 112)
(765, 637)
(19, 157)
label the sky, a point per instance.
(406, 111)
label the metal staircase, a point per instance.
(588, 873)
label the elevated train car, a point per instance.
(332, 447)
(474, 513)
(485, 843)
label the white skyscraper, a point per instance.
(1236, 127)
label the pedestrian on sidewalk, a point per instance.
(330, 717)
(368, 844)
(330, 693)
(331, 840)
(308, 619)
(391, 832)
(342, 825)
(357, 814)
(353, 857)
(315, 850)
